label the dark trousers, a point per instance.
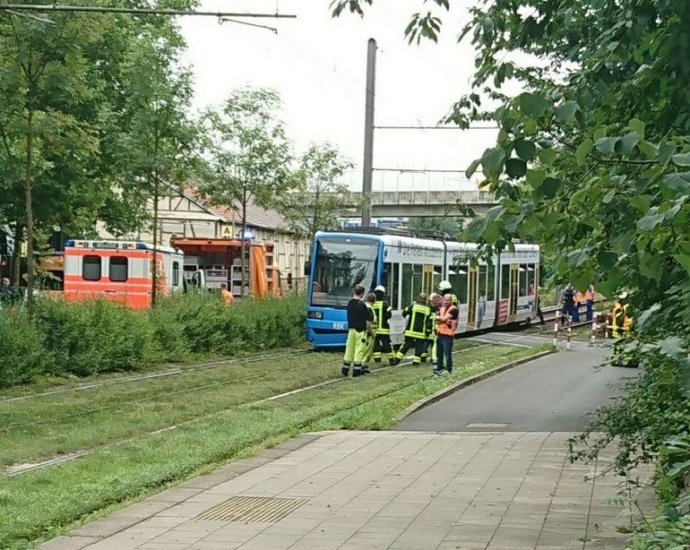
(590, 310)
(382, 344)
(444, 352)
(419, 347)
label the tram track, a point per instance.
(13, 471)
(194, 367)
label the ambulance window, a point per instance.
(118, 269)
(176, 274)
(91, 268)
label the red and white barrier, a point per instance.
(593, 337)
(555, 333)
(570, 332)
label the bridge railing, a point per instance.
(430, 197)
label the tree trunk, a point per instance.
(156, 192)
(15, 270)
(154, 258)
(243, 266)
(315, 220)
(29, 212)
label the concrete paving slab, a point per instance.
(394, 490)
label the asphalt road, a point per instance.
(557, 393)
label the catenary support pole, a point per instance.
(369, 131)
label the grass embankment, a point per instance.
(216, 422)
(63, 340)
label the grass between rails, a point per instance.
(57, 383)
(59, 424)
(44, 503)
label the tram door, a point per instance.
(514, 291)
(428, 280)
(472, 304)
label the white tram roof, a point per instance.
(521, 249)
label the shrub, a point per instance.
(190, 323)
(205, 325)
(22, 353)
(95, 336)
(101, 336)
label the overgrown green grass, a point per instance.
(86, 338)
(44, 503)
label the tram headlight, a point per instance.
(315, 315)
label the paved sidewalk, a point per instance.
(394, 490)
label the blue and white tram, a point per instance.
(488, 295)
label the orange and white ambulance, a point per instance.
(121, 271)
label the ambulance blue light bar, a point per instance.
(107, 245)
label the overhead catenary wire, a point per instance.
(135, 11)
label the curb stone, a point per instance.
(430, 400)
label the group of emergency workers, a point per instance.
(430, 330)
(571, 300)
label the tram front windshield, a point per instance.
(341, 264)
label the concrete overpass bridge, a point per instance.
(411, 204)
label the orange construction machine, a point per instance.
(220, 260)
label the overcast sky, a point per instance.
(318, 65)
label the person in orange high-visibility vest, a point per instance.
(446, 327)
(576, 306)
(589, 298)
(226, 294)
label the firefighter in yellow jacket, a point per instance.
(382, 342)
(369, 301)
(416, 331)
(621, 323)
(359, 329)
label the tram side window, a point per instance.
(91, 268)
(531, 284)
(505, 281)
(522, 288)
(458, 280)
(482, 282)
(406, 284)
(491, 283)
(411, 283)
(391, 282)
(417, 280)
(118, 269)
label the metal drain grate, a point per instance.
(259, 509)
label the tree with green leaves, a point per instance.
(248, 154)
(45, 89)
(593, 160)
(157, 150)
(314, 204)
(445, 224)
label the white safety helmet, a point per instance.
(380, 288)
(444, 285)
(624, 296)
